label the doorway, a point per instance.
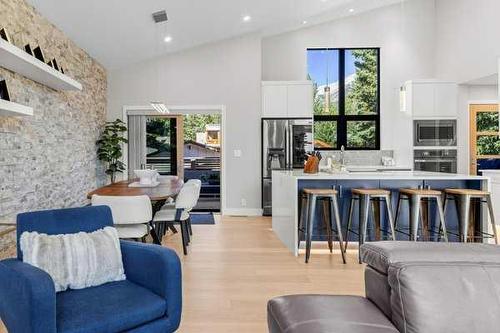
(484, 137)
(213, 136)
(202, 157)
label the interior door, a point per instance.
(484, 137)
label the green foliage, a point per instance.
(196, 123)
(487, 121)
(109, 149)
(156, 129)
(362, 97)
(325, 134)
(488, 145)
(361, 134)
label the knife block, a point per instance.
(312, 165)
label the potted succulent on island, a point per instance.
(110, 147)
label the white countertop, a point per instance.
(494, 171)
(391, 175)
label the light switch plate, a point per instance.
(237, 153)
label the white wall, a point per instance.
(405, 34)
(467, 39)
(226, 73)
(467, 48)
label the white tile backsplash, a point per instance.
(358, 157)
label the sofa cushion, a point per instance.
(445, 297)
(380, 255)
(112, 307)
(325, 314)
(377, 290)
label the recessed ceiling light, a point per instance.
(324, 0)
(351, 10)
(247, 18)
(167, 39)
(304, 22)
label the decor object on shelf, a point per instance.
(4, 35)
(149, 300)
(54, 64)
(38, 53)
(110, 149)
(4, 91)
(28, 49)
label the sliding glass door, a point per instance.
(152, 144)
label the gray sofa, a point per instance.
(410, 287)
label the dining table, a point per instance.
(166, 189)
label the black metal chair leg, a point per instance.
(154, 235)
(189, 226)
(184, 238)
(172, 228)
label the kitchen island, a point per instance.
(287, 186)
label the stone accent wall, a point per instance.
(48, 160)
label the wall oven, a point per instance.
(435, 132)
(437, 160)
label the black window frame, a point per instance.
(341, 118)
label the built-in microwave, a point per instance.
(435, 132)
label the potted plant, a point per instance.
(110, 147)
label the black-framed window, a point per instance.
(346, 97)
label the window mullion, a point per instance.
(342, 124)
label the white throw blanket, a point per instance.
(75, 261)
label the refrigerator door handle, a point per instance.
(291, 147)
(287, 147)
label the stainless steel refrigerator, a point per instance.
(285, 143)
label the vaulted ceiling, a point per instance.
(121, 32)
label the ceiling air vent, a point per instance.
(160, 16)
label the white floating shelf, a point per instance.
(17, 60)
(13, 109)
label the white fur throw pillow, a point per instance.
(76, 261)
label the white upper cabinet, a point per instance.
(287, 99)
(274, 101)
(431, 99)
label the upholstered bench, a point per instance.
(410, 287)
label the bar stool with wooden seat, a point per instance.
(464, 200)
(417, 197)
(365, 197)
(309, 200)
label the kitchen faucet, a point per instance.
(342, 156)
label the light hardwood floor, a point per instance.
(236, 266)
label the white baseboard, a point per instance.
(242, 212)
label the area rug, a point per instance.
(202, 218)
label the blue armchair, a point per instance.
(149, 300)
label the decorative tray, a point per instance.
(137, 184)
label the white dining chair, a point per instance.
(131, 214)
(186, 200)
